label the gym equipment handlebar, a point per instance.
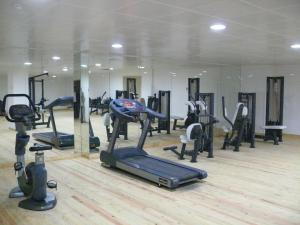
(19, 118)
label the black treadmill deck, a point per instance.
(61, 141)
(161, 171)
(64, 141)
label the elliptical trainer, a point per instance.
(32, 179)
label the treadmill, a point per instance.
(61, 140)
(135, 160)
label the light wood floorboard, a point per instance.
(258, 186)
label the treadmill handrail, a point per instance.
(61, 101)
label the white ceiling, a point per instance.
(175, 32)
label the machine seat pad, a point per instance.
(39, 147)
(274, 127)
(225, 129)
(183, 139)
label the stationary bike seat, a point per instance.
(39, 147)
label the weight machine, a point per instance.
(249, 100)
(163, 107)
(274, 110)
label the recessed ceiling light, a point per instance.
(218, 27)
(98, 64)
(292, 74)
(117, 45)
(53, 76)
(204, 71)
(145, 72)
(55, 58)
(172, 73)
(18, 6)
(295, 46)
(27, 63)
(111, 68)
(200, 74)
(65, 69)
(89, 71)
(83, 65)
(195, 76)
(141, 67)
(45, 71)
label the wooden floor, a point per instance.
(254, 186)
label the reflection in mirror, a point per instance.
(104, 85)
(81, 104)
(100, 97)
(52, 96)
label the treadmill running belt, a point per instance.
(51, 134)
(163, 168)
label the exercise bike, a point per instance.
(32, 179)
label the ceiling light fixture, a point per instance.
(145, 72)
(55, 58)
(53, 76)
(45, 71)
(172, 73)
(204, 71)
(111, 68)
(295, 46)
(27, 63)
(141, 67)
(18, 6)
(65, 69)
(116, 45)
(83, 65)
(292, 74)
(98, 64)
(217, 27)
(200, 74)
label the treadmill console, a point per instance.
(132, 105)
(129, 110)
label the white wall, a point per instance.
(57, 87)
(113, 80)
(54, 87)
(254, 80)
(3, 86)
(99, 83)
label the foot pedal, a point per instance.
(39, 147)
(52, 184)
(18, 166)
